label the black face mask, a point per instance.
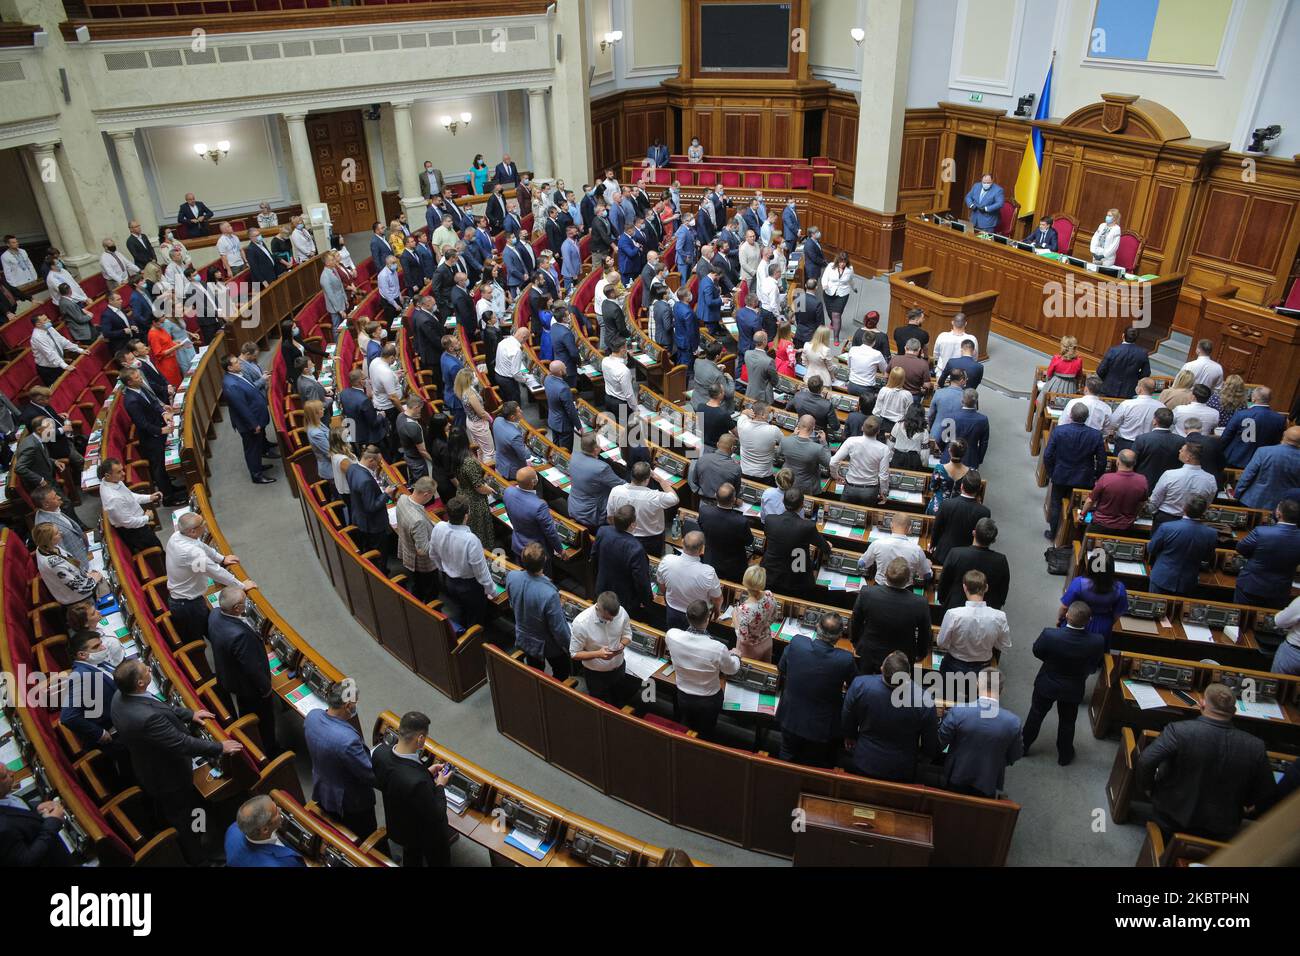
(112, 248)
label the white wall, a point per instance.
(832, 54)
(20, 214)
(1281, 88)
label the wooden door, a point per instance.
(338, 153)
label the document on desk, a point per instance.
(10, 755)
(1198, 632)
(660, 473)
(1233, 632)
(1129, 567)
(531, 845)
(1137, 625)
(1265, 709)
(739, 699)
(641, 666)
(304, 700)
(908, 497)
(1146, 696)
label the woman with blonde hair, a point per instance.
(771, 503)
(1063, 372)
(817, 356)
(1231, 398)
(318, 436)
(64, 577)
(478, 423)
(754, 616)
(1105, 241)
(1180, 392)
(893, 401)
(341, 458)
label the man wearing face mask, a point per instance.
(985, 201)
(343, 776)
(390, 289)
(48, 349)
(152, 426)
(67, 443)
(263, 267)
(88, 713)
(117, 269)
(239, 657)
(59, 275)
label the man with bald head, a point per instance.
(761, 369)
(561, 412)
(714, 468)
(194, 215)
(806, 454)
(684, 579)
(1254, 427)
(1117, 497)
(1272, 472)
(252, 840)
(530, 519)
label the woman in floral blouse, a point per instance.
(755, 615)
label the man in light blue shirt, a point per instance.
(570, 259)
(945, 403)
(390, 289)
(541, 630)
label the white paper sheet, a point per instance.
(1195, 632)
(640, 665)
(1266, 709)
(1129, 567)
(1146, 696)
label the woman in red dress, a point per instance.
(162, 349)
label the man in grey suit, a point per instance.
(983, 739)
(162, 749)
(591, 479)
(1202, 774)
(430, 181)
(707, 372)
(336, 297)
(761, 369)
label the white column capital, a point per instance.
(401, 104)
(295, 117)
(538, 90)
(121, 135)
(44, 148)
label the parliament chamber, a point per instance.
(604, 434)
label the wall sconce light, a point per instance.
(450, 124)
(858, 35)
(614, 36)
(215, 153)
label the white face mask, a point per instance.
(47, 436)
(98, 657)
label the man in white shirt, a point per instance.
(1178, 485)
(510, 365)
(59, 275)
(648, 503)
(684, 578)
(1205, 371)
(769, 289)
(969, 634)
(17, 264)
(385, 392)
(866, 474)
(304, 244)
(190, 563)
(116, 267)
(620, 385)
(948, 344)
(232, 256)
(48, 347)
(174, 275)
(458, 554)
(597, 637)
(866, 365)
(759, 441)
(124, 508)
(1198, 410)
(896, 544)
(699, 661)
(1133, 417)
(1098, 409)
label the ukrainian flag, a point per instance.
(1032, 162)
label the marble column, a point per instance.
(539, 133)
(60, 203)
(570, 104)
(137, 188)
(304, 170)
(886, 57)
(408, 176)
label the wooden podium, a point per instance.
(844, 833)
(1253, 341)
(909, 289)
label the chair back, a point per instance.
(1129, 251)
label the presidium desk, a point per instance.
(1038, 299)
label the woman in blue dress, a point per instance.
(480, 173)
(185, 354)
(943, 483)
(1097, 587)
(544, 318)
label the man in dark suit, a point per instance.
(809, 314)
(89, 714)
(162, 748)
(1157, 450)
(33, 463)
(428, 330)
(263, 266)
(362, 423)
(412, 269)
(955, 522)
(1044, 237)
(1203, 773)
(1177, 549)
(115, 325)
(251, 839)
(814, 674)
(138, 244)
(561, 412)
(380, 249)
(791, 541)
(415, 809)
(727, 535)
(969, 424)
(496, 208)
(979, 556)
(1069, 654)
(1123, 366)
(602, 234)
(239, 657)
(1075, 458)
(462, 306)
(29, 836)
(888, 618)
(194, 215)
(139, 309)
(983, 739)
(565, 347)
(621, 563)
(249, 416)
(343, 777)
(967, 362)
(506, 172)
(152, 427)
(1241, 440)
(814, 258)
(886, 719)
(369, 508)
(1273, 552)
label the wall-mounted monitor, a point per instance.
(745, 37)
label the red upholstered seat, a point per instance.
(706, 177)
(1293, 297)
(663, 177)
(778, 180)
(1007, 217)
(1064, 226)
(801, 178)
(1129, 251)
(730, 178)
(754, 180)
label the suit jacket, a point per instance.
(814, 259)
(789, 224)
(565, 348)
(29, 839)
(428, 331)
(462, 306)
(1267, 426)
(512, 453)
(968, 364)
(496, 211)
(141, 313)
(986, 215)
(747, 324)
(530, 519)
(263, 266)
(1201, 773)
(973, 427)
(591, 479)
(506, 174)
(954, 523)
(889, 619)
(991, 563)
(983, 740)
(184, 216)
(1120, 369)
(380, 250)
(727, 538)
(248, 408)
(1157, 452)
(622, 567)
(1075, 455)
(888, 735)
(602, 236)
(238, 655)
(1040, 240)
(343, 777)
(412, 272)
(368, 426)
(430, 182)
(240, 852)
(415, 808)
(1068, 657)
(1272, 472)
(686, 330)
(809, 316)
(369, 508)
(1176, 551)
(33, 464)
(98, 693)
(787, 533)
(146, 415)
(709, 306)
(761, 369)
(1274, 552)
(1212, 460)
(814, 675)
(158, 737)
(561, 412)
(141, 249)
(613, 322)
